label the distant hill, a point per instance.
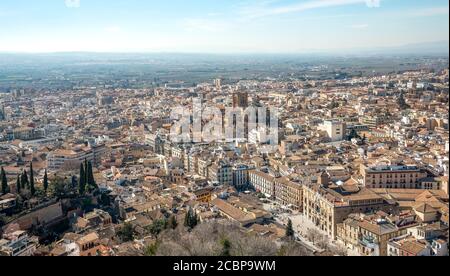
(428, 48)
(440, 47)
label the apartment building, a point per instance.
(348, 232)
(262, 182)
(221, 173)
(328, 205)
(70, 159)
(375, 235)
(240, 176)
(26, 133)
(392, 177)
(288, 193)
(203, 163)
(336, 130)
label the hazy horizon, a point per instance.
(434, 47)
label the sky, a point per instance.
(219, 26)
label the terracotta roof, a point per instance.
(425, 209)
(413, 247)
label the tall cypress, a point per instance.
(290, 230)
(24, 179)
(45, 181)
(191, 219)
(18, 185)
(82, 181)
(86, 181)
(90, 176)
(5, 188)
(32, 189)
(187, 218)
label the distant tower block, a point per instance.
(218, 84)
(2, 113)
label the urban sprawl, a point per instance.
(360, 167)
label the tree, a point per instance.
(226, 247)
(45, 181)
(313, 235)
(340, 250)
(173, 223)
(290, 230)
(85, 172)
(3, 220)
(221, 238)
(151, 250)
(191, 219)
(32, 188)
(126, 233)
(73, 181)
(86, 204)
(353, 135)
(18, 184)
(82, 181)
(293, 249)
(90, 181)
(364, 139)
(61, 187)
(402, 102)
(5, 188)
(323, 242)
(187, 218)
(24, 180)
(158, 226)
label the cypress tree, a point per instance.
(226, 248)
(290, 230)
(18, 185)
(188, 218)
(82, 181)
(24, 179)
(45, 181)
(86, 171)
(90, 176)
(5, 188)
(173, 222)
(32, 189)
(402, 102)
(191, 219)
(194, 221)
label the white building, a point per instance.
(263, 183)
(70, 159)
(336, 130)
(221, 173)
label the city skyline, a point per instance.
(202, 26)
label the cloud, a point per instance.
(373, 3)
(266, 10)
(73, 3)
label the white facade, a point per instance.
(336, 130)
